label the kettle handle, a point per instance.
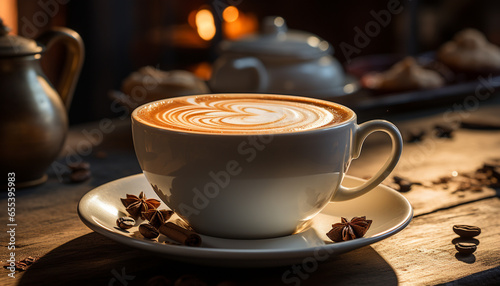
(236, 74)
(73, 62)
(257, 67)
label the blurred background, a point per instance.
(122, 36)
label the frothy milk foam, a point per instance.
(242, 114)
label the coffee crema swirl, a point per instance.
(232, 114)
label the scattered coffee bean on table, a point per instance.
(404, 185)
(159, 281)
(415, 136)
(83, 165)
(443, 131)
(466, 231)
(188, 280)
(101, 154)
(78, 172)
(465, 248)
(79, 176)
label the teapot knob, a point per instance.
(274, 25)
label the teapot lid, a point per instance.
(12, 45)
(277, 41)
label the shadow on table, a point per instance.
(93, 259)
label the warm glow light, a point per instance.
(205, 24)
(192, 19)
(244, 24)
(230, 14)
(203, 70)
(8, 13)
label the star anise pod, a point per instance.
(157, 217)
(347, 230)
(137, 205)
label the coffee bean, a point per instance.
(79, 176)
(125, 222)
(189, 280)
(404, 185)
(465, 247)
(83, 165)
(148, 231)
(415, 136)
(443, 131)
(227, 283)
(466, 231)
(159, 281)
(101, 154)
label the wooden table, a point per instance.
(69, 253)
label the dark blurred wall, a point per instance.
(106, 28)
(123, 35)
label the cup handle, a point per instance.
(363, 130)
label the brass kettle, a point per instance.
(33, 114)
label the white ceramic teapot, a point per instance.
(279, 61)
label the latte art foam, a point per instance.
(236, 114)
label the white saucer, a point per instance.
(389, 210)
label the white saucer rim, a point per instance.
(231, 253)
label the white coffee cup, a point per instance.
(245, 182)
